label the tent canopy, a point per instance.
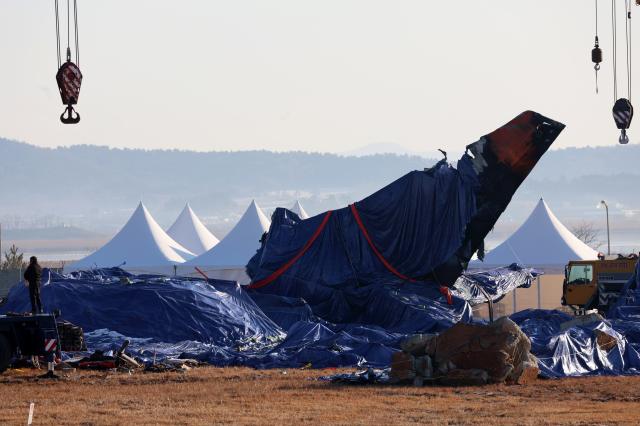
(542, 240)
(240, 244)
(299, 210)
(141, 246)
(191, 233)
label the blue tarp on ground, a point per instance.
(223, 324)
(575, 351)
(496, 283)
(159, 308)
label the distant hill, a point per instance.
(382, 148)
(571, 163)
(50, 233)
(96, 188)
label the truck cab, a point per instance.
(596, 284)
(27, 335)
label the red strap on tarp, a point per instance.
(386, 264)
(202, 273)
(444, 290)
(281, 270)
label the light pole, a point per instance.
(606, 207)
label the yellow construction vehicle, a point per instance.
(596, 284)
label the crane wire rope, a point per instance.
(58, 33)
(596, 53)
(75, 20)
(615, 65)
(627, 30)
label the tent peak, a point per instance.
(299, 210)
(542, 239)
(189, 231)
(142, 244)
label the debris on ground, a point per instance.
(71, 337)
(582, 320)
(467, 354)
(364, 377)
(180, 365)
(99, 360)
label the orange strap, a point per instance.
(386, 264)
(444, 290)
(281, 270)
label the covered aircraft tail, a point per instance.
(424, 227)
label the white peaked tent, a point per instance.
(227, 260)
(141, 246)
(191, 233)
(542, 240)
(299, 210)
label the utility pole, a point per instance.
(606, 207)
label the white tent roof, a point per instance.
(141, 243)
(541, 240)
(299, 210)
(191, 233)
(235, 250)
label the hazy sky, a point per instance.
(324, 75)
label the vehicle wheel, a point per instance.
(5, 353)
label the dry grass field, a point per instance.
(211, 395)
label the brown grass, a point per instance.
(244, 396)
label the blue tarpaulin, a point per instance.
(495, 283)
(224, 324)
(159, 307)
(575, 351)
(390, 259)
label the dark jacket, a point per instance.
(33, 274)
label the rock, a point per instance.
(402, 367)
(471, 377)
(415, 345)
(526, 373)
(424, 366)
(499, 349)
(605, 341)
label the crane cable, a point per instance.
(622, 107)
(596, 52)
(75, 21)
(615, 44)
(627, 30)
(75, 28)
(58, 33)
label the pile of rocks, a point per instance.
(467, 354)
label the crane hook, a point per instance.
(596, 58)
(622, 115)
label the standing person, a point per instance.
(32, 276)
